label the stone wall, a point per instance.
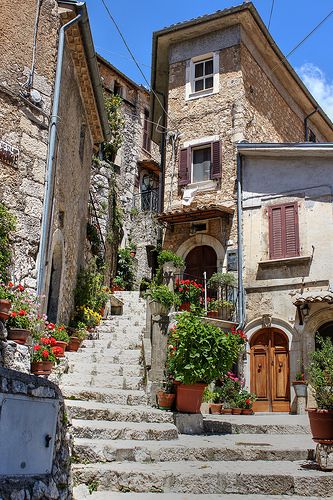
(56, 485)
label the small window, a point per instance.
(312, 136)
(200, 163)
(146, 132)
(117, 89)
(203, 75)
(283, 231)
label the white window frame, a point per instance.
(195, 148)
(190, 76)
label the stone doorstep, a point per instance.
(81, 492)
(113, 382)
(195, 448)
(268, 478)
(256, 424)
(92, 410)
(101, 429)
(103, 395)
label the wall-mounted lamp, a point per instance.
(305, 309)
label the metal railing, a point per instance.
(220, 303)
(147, 201)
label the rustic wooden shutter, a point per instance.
(184, 166)
(216, 160)
(283, 231)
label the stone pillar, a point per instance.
(301, 405)
(159, 340)
(324, 456)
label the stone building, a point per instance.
(136, 170)
(287, 263)
(222, 80)
(52, 117)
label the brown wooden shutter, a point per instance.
(184, 166)
(283, 231)
(216, 160)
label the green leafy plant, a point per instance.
(169, 256)
(201, 352)
(218, 280)
(164, 296)
(321, 373)
(44, 350)
(80, 331)
(7, 227)
(89, 288)
(212, 396)
(215, 305)
(59, 333)
(246, 399)
(189, 291)
(24, 309)
(116, 121)
(125, 269)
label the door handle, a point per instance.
(48, 438)
(280, 367)
(259, 367)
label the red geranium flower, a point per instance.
(50, 326)
(13, 314)
(22, 312)
(52, 341)
(10, 284)
(20, 287)
(45, 341)
(45, 354)
(37, 347)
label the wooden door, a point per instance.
(200, 259)
(270, 371)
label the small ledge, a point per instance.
(203, 186)
(294, 261)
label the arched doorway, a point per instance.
(199, 260)
(269, 367)
(325, 331)
(55, 282)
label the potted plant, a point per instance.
(75, 340)
(6, 297)
(219, 280)
(321, 382)
(189, 293)
(166, 395)
(22, 314)
(161, 299)
(61, 336)
(246, 400)
(299, 384)
(230, 389)
(198, 354)
(43, 357)
(213, 397)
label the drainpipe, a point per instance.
(306, 129)
(241, 312)
(48, 199)
(161, 180)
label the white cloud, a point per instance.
(321, 89)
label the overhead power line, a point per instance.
(271, 14)
(302, 41)
(134, 59)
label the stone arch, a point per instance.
(55, 278)
(200, 240)
(315, 321)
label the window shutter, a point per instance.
(184, 167)
(216, 160)
(291, 230)
(283, 231)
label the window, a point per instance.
(146, 129)
(202, 76)
(117, 89)
(199, 163)
(283, 231)
(312, 136)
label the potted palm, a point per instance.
(321, 383)
(198, 354)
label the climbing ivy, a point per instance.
(7, 226)
(116, 121)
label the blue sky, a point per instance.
(291, 21)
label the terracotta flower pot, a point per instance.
(133, 253)
(73, 344)
(215, 408)
(164, 400)
(5, 306)
(226, 411)
(41, 367)
(189, 397)
(63, 346)
(185, 306)
(212, 314)
(321, 424)
(247, 411)
(236, 411)
(19, 335)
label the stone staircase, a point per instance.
(127, 450)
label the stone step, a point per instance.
(82, 492)
(214, 448)
(92, 410)
(118, 356)
(265, 477)
(102, 380)
(105, 395)
(123, 430)
(256, 424)
(118, 343)
(110, 369)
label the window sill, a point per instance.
(203, 186)
(294, 261)
(201, 93)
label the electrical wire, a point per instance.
(134, 59)
(302, 41)
(271, 13)
(28, 84)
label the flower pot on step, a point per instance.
(19, 335)
(321, 424)
(189, 397)
(236, 411)
(165, 400)
(215, 408)
(62, 346)
(5, 306)
(73, 344)
(41, 367)
(226, 411)
(247, 411)
(301, 388)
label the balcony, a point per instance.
(146, 201)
